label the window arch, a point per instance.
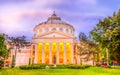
(61, 29)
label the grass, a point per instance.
(88, 71)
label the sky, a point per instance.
(19, 17)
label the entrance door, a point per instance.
(54, 49)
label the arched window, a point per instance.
(61, 29)
(67, 30)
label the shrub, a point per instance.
(60, 66)
(1, 63)
(115, 67)
(34, 66)
(79, 66)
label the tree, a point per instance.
(16, 43)
(13, 61)
(107, 34)
(4, 51)
(87, 47)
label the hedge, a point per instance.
(42, 66)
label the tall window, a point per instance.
(54, 49)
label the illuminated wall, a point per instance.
(68, 53)
(47, 52)
(54, 49)
(32, 54)
(61, 53)
(39, 53)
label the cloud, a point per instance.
(20, 16)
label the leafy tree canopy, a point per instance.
(107, 34)
(4, 51)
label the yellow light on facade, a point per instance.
(68, 52)
(39, 52)
(47, 52)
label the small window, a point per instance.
(53, 28)
(40, 30)
(67, 30)
(61, 29)
(46, 29)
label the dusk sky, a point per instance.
(19, 17)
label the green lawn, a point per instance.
(88, 71)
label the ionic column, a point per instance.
(65, 53)
(50, 58)
(72, 53)
(57, 53)
(43, 53)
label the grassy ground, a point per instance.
(88, 71)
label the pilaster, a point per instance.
(36, 53)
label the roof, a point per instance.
(54, 19)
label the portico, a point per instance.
(53, 42)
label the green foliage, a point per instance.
(79, 66)
(1, 62)
(88, 47)
(107, 34)
(29, 61)
(16, 44)
(33, 66)
(3, 49)
(13, 62)
(87, 71)
(62, 66)
(115, 67)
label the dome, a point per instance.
(54, 23)
(54, 19)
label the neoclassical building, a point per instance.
(53, 42)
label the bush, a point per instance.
(79, 66)
(115, 67)
(60, 66)
(34, 66)
(1, 63)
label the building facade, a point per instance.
(53, 42)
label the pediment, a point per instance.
(55, 35)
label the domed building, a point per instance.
(53, 42)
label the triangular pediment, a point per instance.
(55, 34)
